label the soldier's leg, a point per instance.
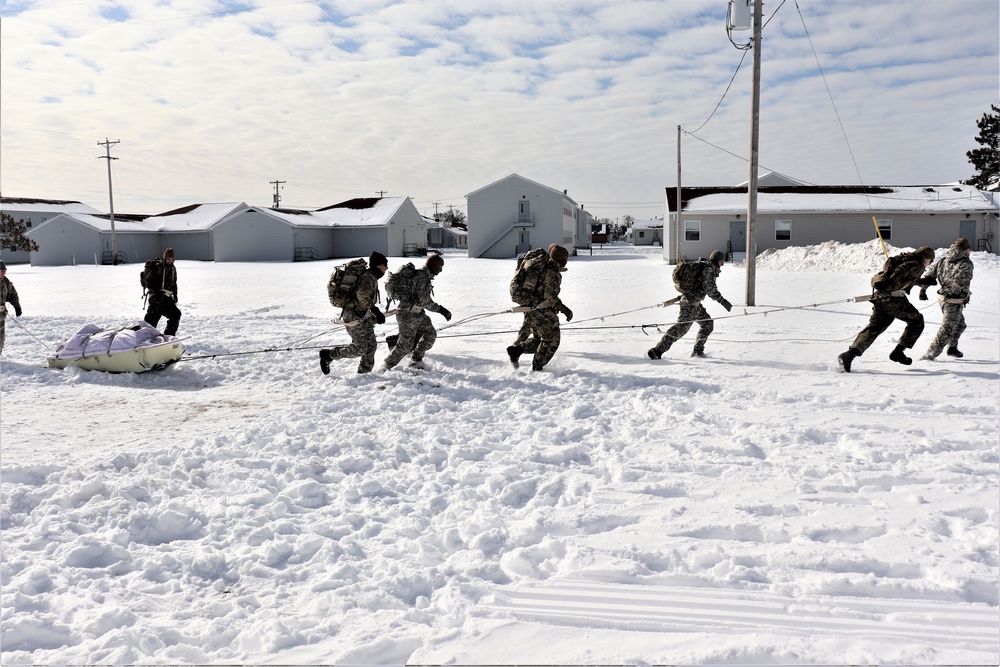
(877, 323)
(533, 339)
(3, 330)
(904, 310)
(705, 328)
(368, 344)
(173, 314)
(426, 335)
(405, 341)
(683, 325)
(549, 336)
(153, 314)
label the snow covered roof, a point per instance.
(527, 180)
(102, 222)
(648, 224)
(32, 205)
(835, 199)
(362, 212)
(196, 217)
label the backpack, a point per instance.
(687, 276)
(344, 282)
(147, 269)
(884, 280)
(525, 281)
(402, 285)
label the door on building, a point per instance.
(523, 211)
(523, 242)
(737, 239)
(967, 229)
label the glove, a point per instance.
(377, 314)
(923, 294)
(927, 281)
(447, 313)
(564, 309)
(725, 304)
(17, 311)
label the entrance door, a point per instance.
(967, 229)
(737, 237)
(523, 211)
(523, 242)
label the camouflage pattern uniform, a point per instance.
(540, 335)
(7, 295)
(692, 311)
(889, 306)
(162, 285)
(416, 332)
(954, 275)
(360, 323)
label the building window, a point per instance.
(782, 230)
(692, 230)
(885, 229)
(642, 235)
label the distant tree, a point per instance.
(629, 221)
(986, 160)
(12, 234)
(451, 217)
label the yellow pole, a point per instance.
(880, 239)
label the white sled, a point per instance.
(134, 349)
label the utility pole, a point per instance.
(678, 229)
(381, 193)
(111, 199)
(754, 150)
(277, 193)
(436, 204)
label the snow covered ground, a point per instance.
(757, 506)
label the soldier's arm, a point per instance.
(366, 293)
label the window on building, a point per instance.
(642, 235)
(692, 230)
(782, 230)
(885, 229)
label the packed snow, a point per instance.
(757, 506)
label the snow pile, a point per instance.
(753, 507)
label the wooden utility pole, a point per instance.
(754, 149)
(111, 199)
(277, 194)
(679, 228)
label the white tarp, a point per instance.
(92, 339)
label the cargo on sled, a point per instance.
(133, 349)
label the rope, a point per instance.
(41, 342)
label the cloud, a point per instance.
(436, 98)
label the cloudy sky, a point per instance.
(212, 100)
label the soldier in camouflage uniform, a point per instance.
(7, 295)
(954, 275)
(416, 332)
(540, 335)
(162, 285)
(360, 316)
(692, 311)
(890, 303)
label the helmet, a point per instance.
(717, 256)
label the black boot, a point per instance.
(653, 354)
(698, 352)
(846, 358)
(900, 358)
(324, 361)
(391, 340)
(514, 352)
(953, 351)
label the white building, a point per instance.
(512, 215)
(714, 218)
(34, 212)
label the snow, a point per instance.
(952, 198)
(757, 506)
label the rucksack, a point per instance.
(885, 280)
(344, 282)
(687, 276)
(402, 285)
(144, 274)
(525, 281)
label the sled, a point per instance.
(135, 349)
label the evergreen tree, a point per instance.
(986, 160)
(12, 234)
